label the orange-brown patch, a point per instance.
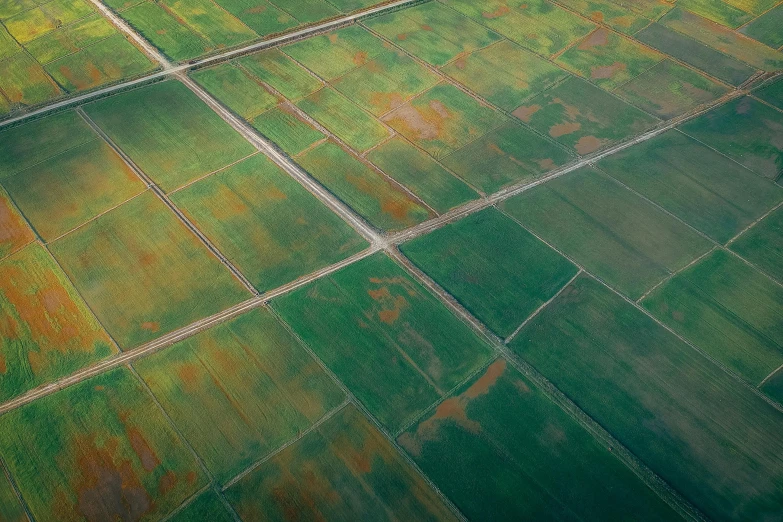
(602, 72)
(588, 144)
(360, 58)
(597, 38)
(151, 326)
(167, 482)
(497, 13)
(561, 129)
(149, 460)
(525, 112)
(486, 381)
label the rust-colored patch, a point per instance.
(151, 326)
(562, 129)
(161, 31)
(597, 16)
(256, 10)
(525, 112)
(333, 37)
(402, 37)
(392, 304)
(420, 123)
(167, 482)
(588, 144)
(360, 58)
(546, 163)
(602, 72)
(486, 381)
(386, 101)
(149, 460)
(597, 38)
(3, 367)
(497, 13)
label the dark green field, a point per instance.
(762, 244)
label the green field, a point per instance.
(668, 89)
(582, 116)
(284, 75)
(14, 231)
(498, 270)
(699, 429)
(615, 14)
(762, 244)
(144, 273)
(421, 174)
(372, 317)
(609, 230)
(771, 93)
(206, 506)
(768, 28)
(374, 197)
(251, 375)
(703, 188)
(24, 82)
(72, 187)
(206, 18)
(287, 129)
(267, 224)
(156, 127)
(503, 451)
(46, 331)
(71, 39)
(261, 16)
(728, 310)
(344, 469)
(174, 39)
(507, 155)
(11, 509)
(504, 74)
(432, 32)
(443, 119)
(113, 456)
(745, 130)
(238, 91)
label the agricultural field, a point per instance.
(762, 244)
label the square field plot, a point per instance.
(498, 270)
(237, 90)
(72, 187)
(144, 273)
(501, 450)
(383, 203)
(762, 244)
(432, 32)
(701, 430)
(169, 133)
(504, 74)
(253, 377)
(669, 89)
(608, 59)
(700, 186)
(745, 130)
(283, 74)
(267, 224)
(728, 310)
(344, 469)
(46, 330)
(391, 342)
(608, 229)
(14, 230)
(113, 456)
(582, 116)
(443, 119)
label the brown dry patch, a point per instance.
(3, 366)
(360, 58)
(597, 16)
(395, 207)
(386, 101)
(402, 37)
(167, 482)
(597, 38)
(426, 27)
(525, 112)
(188, 374)
(602, 72)
(392, 304)
(461, 60)
(420, 123)
(333, 37)
(149, 460)
(256, 10)
(562, 129)
(374, 66)
(161, 31)
(151, 326)
(14, 232)
(486, 381)
(588, 144)
(497, 13)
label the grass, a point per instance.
(609, 230)
(46, 331)
(287, 129)
(278, 70)
(502, 451)
(382, 203)
(762, 244)
(443, 119)
(252, 375)
(142, 252)
(395, 346)
(421, 174)
(582, 116)
(345, 469)
(745, 130)
(703, 188)
(14, 231)
(177, 41)
(235, 89)
(499, 271)
(270, 227)
(699, 429)
(114, 455)
(155, 126)
(66, 190)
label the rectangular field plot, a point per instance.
(703, 188)
(509, 154)
(702, 431)
(113, 456)
(39, 18)
(144, 273)
(238, 91)
(718, 11)
(728, 310)
(344, 119)
(608, 59)
(72, 187)
(172, 37)
(71, 39)
(609, 230)
(206, 506)
(252, 377)
(267, 224)
(762, 244)
(376, 198)
(23, 82)
(504, 74)
(745, 130)
(499, 271)
(261, 16)
(432, 32)
(443, 119)
(169, 133)
(344, 469)
(287, 129)
(537, 25)
(46, 331)
(210, 20)
(395, 346)
(693, 52)
(421, 174)
(768, 28)
(14, 230)
(669, 89)
(501, 450)
(582, 116)
(385, 82)
(282, 73)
